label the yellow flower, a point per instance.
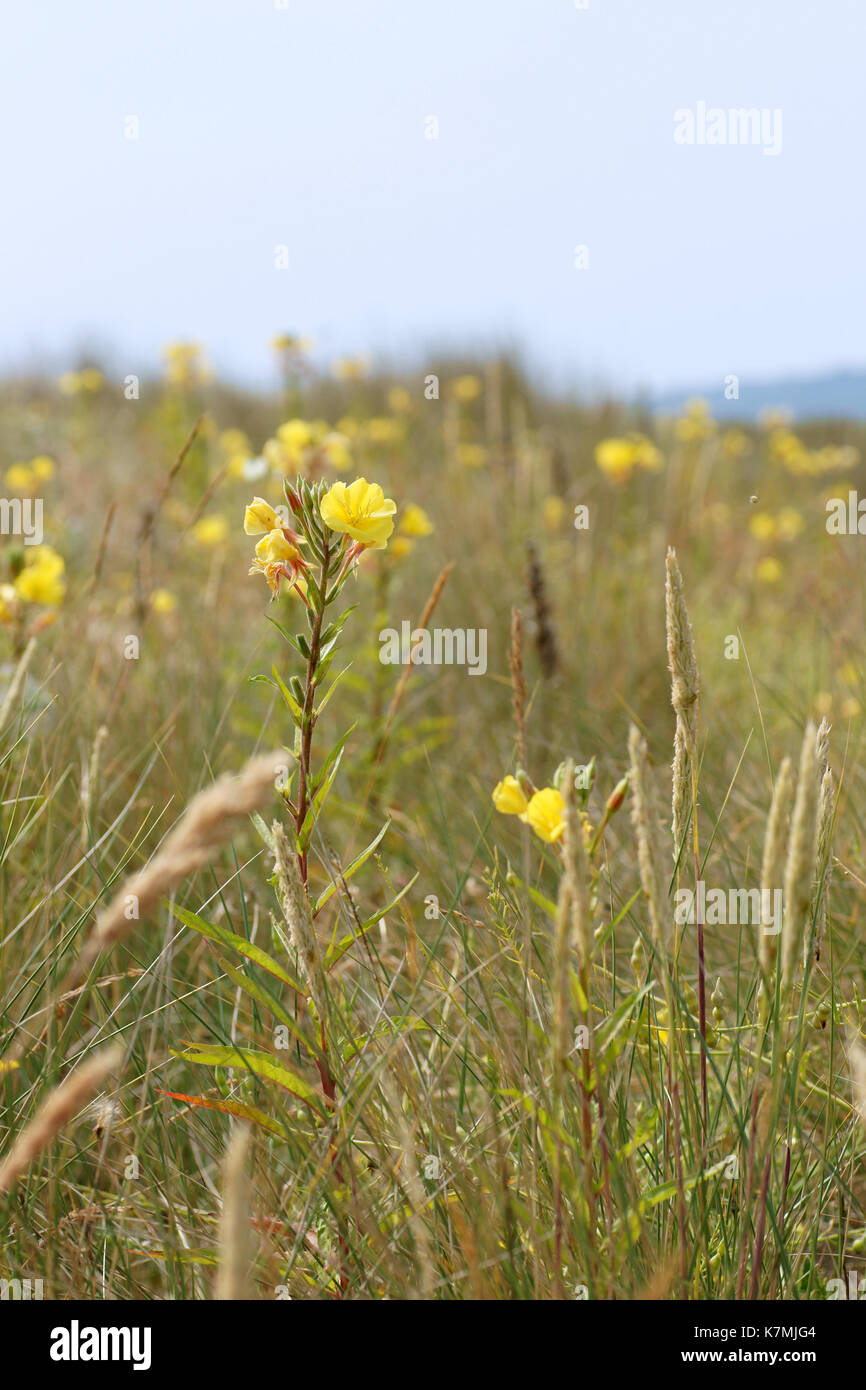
(401, 546)
(735, 443)
(471, 455)
(260, 517)
(163, 601)
(508, 797)
(399, 400)
(414, 521)
(335, 447)
(850, 708)
(553, 513)
(275, 547)
(211, 530)
(615, 458)
(790, 523)
(185, 364)
(467, 388)
(41, 580)
(762, 526)
(769, 570)
(383, 430)
(19, 478)
(42, 466)
(697, 423)
(361, 511)
(545, 813)
(351, 368)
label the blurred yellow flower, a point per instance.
(383, 430)
(20, 478)
(546, 814)
(508, 797)
(400, 547)
(735, 443)
(163, 601)
(790, 523)
(351, 368)
(696, 425)
(88, 381)
(553, 513)
(617, 457)
(471, 455)
(211, 530)
(360, 510)
(41, 580)
(399, 400)
(43, 467)
(762, 526)
(466, 388)
(414, 521)
(769, 570)
(336, 448)
(9, 603)
(185, 364)
(849, 708)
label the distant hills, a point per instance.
(836, 395)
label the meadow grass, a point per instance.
(387, 1042)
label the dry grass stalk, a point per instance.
(685, 698)
(857, 1067)
(577, 875)
(800, 865)
(232, 1280)
(203, 828)
(773, 863)
(824, 863)
(646, 822)
(19, 675)
(64, 1102)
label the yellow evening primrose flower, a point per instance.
(211, 530)
(277, 559)
(399, 400)
(769, 570)
(260, 517)
(275, 546)
(414, 521)
(546, 814)
(19, 478)
(360, 510)
(381, 429)
(762, 526)
(467, 388)
(553, 513)
(401, 546)
(336, 449)
(163, 601)
(471, 455)
(42, 467)
(615, 458)
(508, 797)
(41, 580)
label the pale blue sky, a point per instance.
(305, 126)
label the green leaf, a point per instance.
(230, 942)
(331, 688)
(259, 1064)
(264, 997)
(347, 873)
(233, 1107)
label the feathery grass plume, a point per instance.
(205, 825)
(19, 676)
(857, 1068)
(577, 874)
(232, 1280)
(800, 865)
(90, 785)
(64, 1102)
(822, 747)
(545, 638)
(773, 863)
(296, 911)
(685, 696)
(824, 860)
(646, 821)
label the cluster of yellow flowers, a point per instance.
(359, 510)
(696, 425)
(185, 365)
(40, 581)
(619, 457)
(466, 388)
(786, 525)
(543, 810)
(26, 477)
(303, 444)
(377, 432)
(83, 383)
(786, 448)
